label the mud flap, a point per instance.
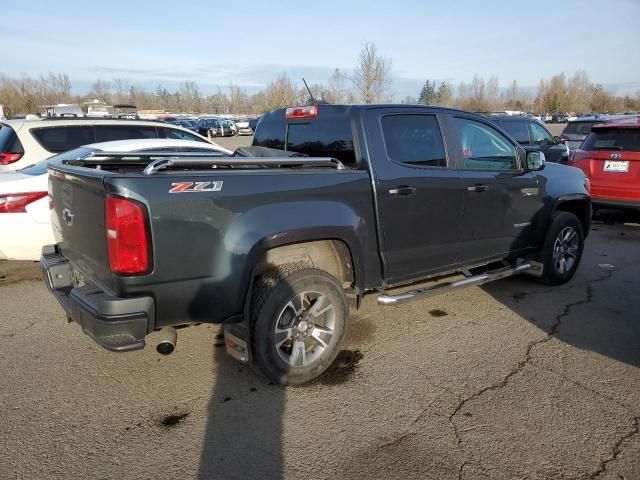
(237, 342)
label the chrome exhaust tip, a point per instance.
(168, 341)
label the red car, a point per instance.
(610, 158)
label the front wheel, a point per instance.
(299, 322)
(563, 248)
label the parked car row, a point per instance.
(216, 126)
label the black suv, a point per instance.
(529, 133)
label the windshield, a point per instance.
(613, 139)
(41, 168)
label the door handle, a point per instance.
(478, 188)
(402, 190)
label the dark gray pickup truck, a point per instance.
(280, 240)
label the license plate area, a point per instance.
(616, 166)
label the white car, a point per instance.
(33, 140)
(244, 128)
(24, 203)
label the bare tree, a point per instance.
(372, 77)
(280, 93)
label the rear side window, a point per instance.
(9, 141)
(270, 134)
(61, 139)
(321, 139)
(613, 139)
(178, 134)
(518, 130)
(579, 128)
(107, 133)
(414, 139)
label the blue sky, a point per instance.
(249, 43)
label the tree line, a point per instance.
(369, 82)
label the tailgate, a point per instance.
(78, 220)
(615, 174)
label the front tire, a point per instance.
(299, 320)
(563, 248)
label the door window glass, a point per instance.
(414, 139)
(540, 135)
(518, 130)
(484, 148)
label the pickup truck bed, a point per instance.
(386, 196)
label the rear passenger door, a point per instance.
(500, 196)
(418, 193)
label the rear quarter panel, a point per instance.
(206, 244)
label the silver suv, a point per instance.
(28, 142)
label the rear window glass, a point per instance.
(107, 133)
(321, 139)
(414, 139)
(518, 130)
(61, 139)
(613, 139)
(9, 141)
(579, 128)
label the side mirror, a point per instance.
(535, 161)
(557, 140)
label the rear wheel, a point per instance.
(563, 248)
(299, 322)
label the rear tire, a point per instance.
(299, 320)
(563, 248)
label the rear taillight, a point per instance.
(17, 202)
(309, 111)
(127, 236)
(8, 157)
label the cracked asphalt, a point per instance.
(514, 380)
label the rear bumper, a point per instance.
(117, 324)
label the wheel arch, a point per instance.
(580, 206)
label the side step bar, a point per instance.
(421, 293)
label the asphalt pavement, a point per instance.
(511, 380)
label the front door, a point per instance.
(418, 193)
(500, 197)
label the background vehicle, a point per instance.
(244, 128)
(125, 111)
(610, 158)
(253, 123)
(206, 123)
(25, 224)
(62, 110)
(99, 109)
(188, 124)
(276, 245)
(25, 142)
(528, 132)
(577, 130)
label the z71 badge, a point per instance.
(195, 187)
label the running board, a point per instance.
(421, 293)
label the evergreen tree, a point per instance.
(428, 93)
